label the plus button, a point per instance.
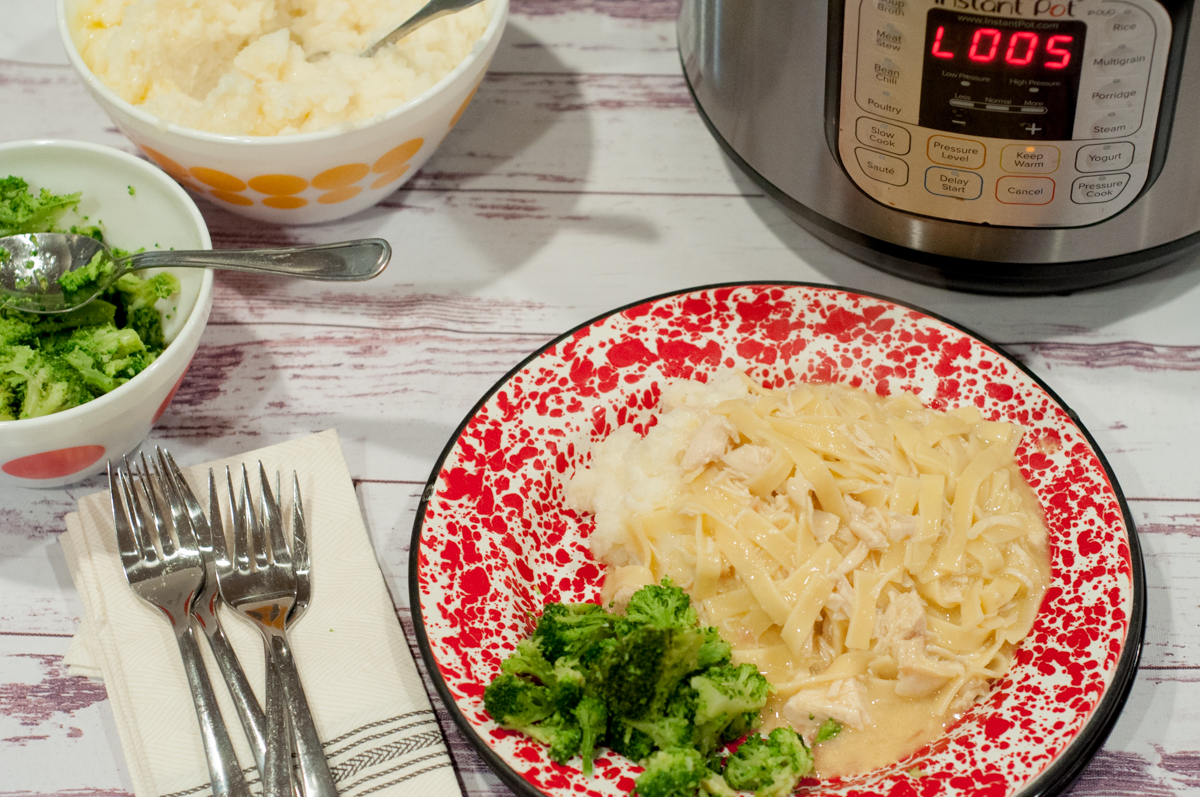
(1032, 129)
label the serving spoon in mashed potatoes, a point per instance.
(31, 265)
(427, 13)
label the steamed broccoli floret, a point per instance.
(592, 717)
(569, 684)
(666, 732)
(49, 384)
(561, 733)
(641, 671)
(87, 280)
(829, 729)
(715, 651)
(527, 659)
(770, 766)
(140, 313)
(627, 740)
(659, 605)
(516, 703)
(728, 702)
(22, 212)
(15, 329)
(568, 629)
(673, 773)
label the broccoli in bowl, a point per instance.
(50, 363)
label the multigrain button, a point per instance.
(1104, 157)
(1025, 190)
(953, 183)
(1101, 188)
(888, 137)
(883, 168)
(962, 152)
(1029, 158)
(1123, 59)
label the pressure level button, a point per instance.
(1100, 188)
(882, 135)
(963, 152)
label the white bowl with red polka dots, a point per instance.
(307, 178)
(137, 206)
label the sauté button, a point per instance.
(953, 183)
(883, 168)
(1025, 190)
(1101, 188)
(962, 152)
(1029, 158)
(1104, 157)
(881, 135)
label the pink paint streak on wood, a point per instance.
(56, 693)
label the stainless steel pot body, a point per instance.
(771, 80)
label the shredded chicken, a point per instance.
(749, 460)
(708, 443)
(841, 700)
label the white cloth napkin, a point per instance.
(369, 705)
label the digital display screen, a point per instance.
(1000, 77)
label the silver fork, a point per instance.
(265, 592)
(168, 581)
(186, 509)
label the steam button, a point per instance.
(1104, 157)
(1112, 124)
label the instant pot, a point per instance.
(1009, 146)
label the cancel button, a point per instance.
(1025, 190)
(1101, 188)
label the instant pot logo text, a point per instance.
(1034, 9)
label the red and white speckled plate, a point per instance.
(493, 541)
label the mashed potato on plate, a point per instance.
(240, 67)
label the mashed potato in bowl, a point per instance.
(241, 67)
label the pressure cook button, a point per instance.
(883, 168)
(953, 183)
(1104, 157)
(881, 135)
(1029, 158)
(1025, 190)
(1101, 188)
(962, 152)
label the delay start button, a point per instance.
(953, 183)
(1101, 188)
(962, 152)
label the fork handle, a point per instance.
(314, 767)
(277, 770)
(223, 767)
(254, 722)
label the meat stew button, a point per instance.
(883, 168)
(1101, 188)
(1025, 190)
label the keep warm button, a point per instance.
(953, 183)
(1025, 190)
(1101, 188)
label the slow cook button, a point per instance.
(881, 135)
(953, 183)
(1029, 158)
(962, 152)
(1025, 190)
(1102, 188)
(1104, 157)
(883, 168)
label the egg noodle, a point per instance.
(876, 559)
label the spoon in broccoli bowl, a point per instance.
(52, 272)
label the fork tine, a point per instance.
(152, 486)
(216, 525)
(241, 546)
(258, 542)
(273, 520)
(180, 487)
(300, 555)
(168, 487)
(126, 541)
(141, 530)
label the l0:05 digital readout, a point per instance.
(1019, 47)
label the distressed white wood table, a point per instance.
(580, 179)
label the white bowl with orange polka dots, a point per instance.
(136, 205)
(305, 178)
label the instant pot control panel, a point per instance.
(1023, 113)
